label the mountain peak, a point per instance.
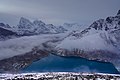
(118, 12)
(38, 22)
(25, 23)
(22, 20)
(2, 24)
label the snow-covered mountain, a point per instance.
(39, 27)
(100, 41)
(104, 32)
(26, 27)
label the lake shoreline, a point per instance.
(53, 64)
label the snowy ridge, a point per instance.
(103, 32)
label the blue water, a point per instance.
(54, 63)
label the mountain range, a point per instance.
(34, 40)
(27, 28)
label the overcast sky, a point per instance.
(57, 11)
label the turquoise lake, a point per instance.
(54, 63)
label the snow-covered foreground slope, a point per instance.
(61, 76)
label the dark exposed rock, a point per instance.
(5, 32)
(119, 23)
(97, 25)
(106, 28)
(2, 24)
(109, 20)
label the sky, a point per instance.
(57, 12)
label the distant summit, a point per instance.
(118, 12)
